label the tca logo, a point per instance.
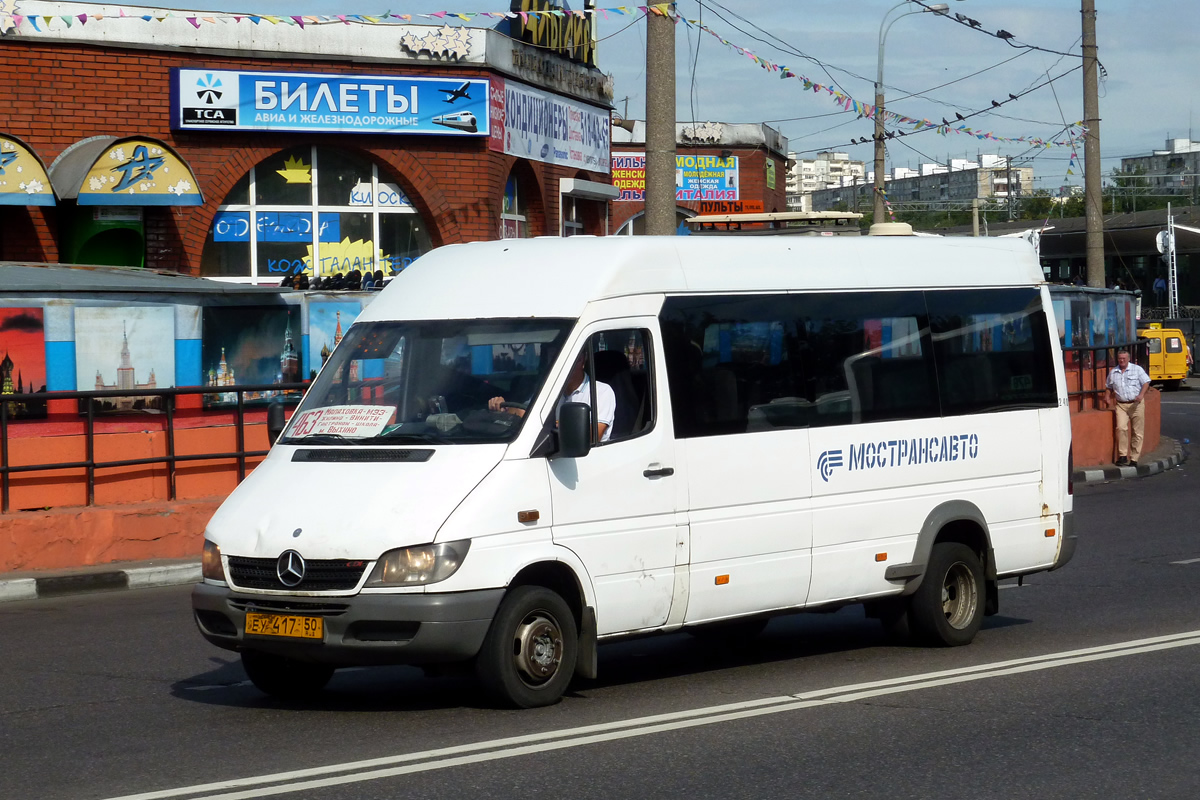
(827, 462)
(206, 88)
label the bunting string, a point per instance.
(1074, 132)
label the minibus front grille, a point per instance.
(290, 606)
(361, 455)
(329, 575)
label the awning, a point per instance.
(134, 171)
(587, 190)
(23, 179)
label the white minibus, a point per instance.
(781, 424)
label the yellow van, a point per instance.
(1170, 358)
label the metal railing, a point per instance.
(88, 412)
(1098, 361)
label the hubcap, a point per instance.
(538, 648)
(960, 596)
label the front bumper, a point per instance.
(358, 630)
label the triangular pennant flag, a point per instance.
(195, 22)
(299, 21)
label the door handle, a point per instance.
(658, 472)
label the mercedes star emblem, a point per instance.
(290, 568)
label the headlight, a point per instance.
(412, 566)
(210, 564)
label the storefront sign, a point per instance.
(731, 207)
(290, 101)
(545, 127)
(703, 178)
(564, 34)
(139, 172)
(23, 180)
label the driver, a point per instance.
(577, 389)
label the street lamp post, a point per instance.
(884, 27)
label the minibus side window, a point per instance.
(871, 356)
(992, 348)
(735, 364)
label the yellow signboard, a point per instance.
(23, 180)
(139, 172)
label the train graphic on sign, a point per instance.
(460, 120)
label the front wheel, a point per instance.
(947, 609)
(529, 653)
(285, 678)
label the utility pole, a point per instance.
(1093, 199)
(660, 123)
(1008, 185)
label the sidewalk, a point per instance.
(1167, 455)
(176, 572)
(103, 578)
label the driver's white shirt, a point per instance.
(606, 403)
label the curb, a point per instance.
(104, 581)
(1114, 473)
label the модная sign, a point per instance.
(291, 101)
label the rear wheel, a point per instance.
(285, 678)
(529, 654)
(947, 609)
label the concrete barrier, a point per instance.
(77, 537)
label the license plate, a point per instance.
(285, 625)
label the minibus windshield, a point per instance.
(435, 382)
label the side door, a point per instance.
(737, 367)
(1154, 347)
(616, 507)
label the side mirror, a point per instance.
(574, 430)
(276, 421)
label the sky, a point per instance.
(933, 68)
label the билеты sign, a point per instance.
(291, 101)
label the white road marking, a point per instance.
(516, 746)
(1188, 561)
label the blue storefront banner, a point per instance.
(291, 101)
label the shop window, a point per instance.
(314, 210)
(513, 223)
(572, 219)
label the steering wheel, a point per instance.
(508, 404)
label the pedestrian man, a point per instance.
(1127, 385)
(1160, 290)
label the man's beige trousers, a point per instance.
(1127, 412)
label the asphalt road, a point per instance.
(107, 696)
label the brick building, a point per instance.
(721, 168)
(249, 148)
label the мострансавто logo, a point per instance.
(901, 453)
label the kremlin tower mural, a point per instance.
(22, 360)
(247, 346)
(327, 323)
(125, 348)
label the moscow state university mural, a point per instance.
(125, 348)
